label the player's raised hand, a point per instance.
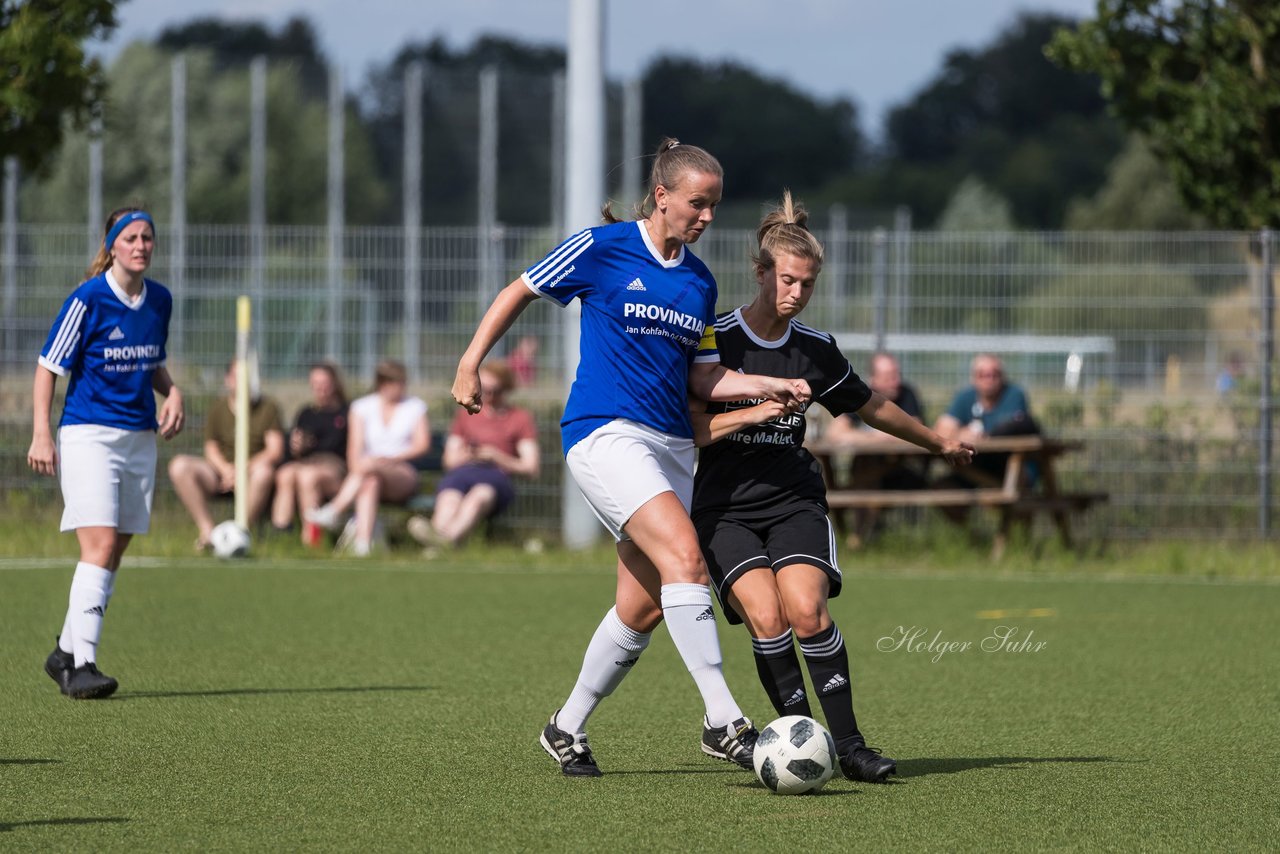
(801, 392)
(957, 453)
(43, 456)
(466, 389)
(173, 415)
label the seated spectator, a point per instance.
(483, 452)
(388, 431)
(879, 472)
(991, 406)
(198, 479)
(317, 451)
(886, 378)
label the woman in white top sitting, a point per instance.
(387, 432)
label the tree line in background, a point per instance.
(1009, 135)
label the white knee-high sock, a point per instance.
(90, 589)
(614, 649)
(692, 623)
(65, 638)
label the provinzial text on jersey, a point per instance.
(666, 315)
(136, 351)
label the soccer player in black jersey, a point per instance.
(759, 502)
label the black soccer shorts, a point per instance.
(733, 545)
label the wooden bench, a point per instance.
(1013, 495)
(430, 467)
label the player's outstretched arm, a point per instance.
(510, 302)
(885, 415)
(172, 415)
(43, 455)
(712, 381)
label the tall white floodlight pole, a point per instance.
(487, 183)
(632, 189)
(336, 162)
(10, 260)
(584, 191)
(95, 184)
(557, 154)
(177, 225)
(257, 179)
(412, 217)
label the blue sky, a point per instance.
(874, 52)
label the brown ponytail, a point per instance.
(670, 163)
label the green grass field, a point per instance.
(288, 703)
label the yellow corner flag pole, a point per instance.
(244, 323)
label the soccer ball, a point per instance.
(795, 755)
(229, 540)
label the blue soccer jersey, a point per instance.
(645, 321)
(110, 347)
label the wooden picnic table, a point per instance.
(1015, 495)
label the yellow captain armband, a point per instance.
(708, 342)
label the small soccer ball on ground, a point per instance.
(795, 755)
(229, 540)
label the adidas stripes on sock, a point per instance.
(780, 674)
(613, 651)
(692, 623)
(90, 589)
(65, 637)
(829, 669)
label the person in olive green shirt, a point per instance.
(197, 479)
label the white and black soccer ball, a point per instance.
(795, 755)
(229, 540)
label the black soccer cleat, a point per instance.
(735, 743)
(571, 751)
(86, 683)
(59, 665)
(864, 764)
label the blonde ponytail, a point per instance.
(784, 231)
(671, 162)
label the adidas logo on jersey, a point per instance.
(116, 335)
(628, 662)
(96, 609)
(835, 683)
(637, 285)
(797, 697)
(706, 615)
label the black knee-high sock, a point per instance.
(780, 674)
(829, 669)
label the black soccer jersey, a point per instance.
(762, 467)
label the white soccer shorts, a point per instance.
(108, 477)
(623, 464)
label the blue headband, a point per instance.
(123, 222)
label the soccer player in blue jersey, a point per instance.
(647, 343)
(109, 339)
(759, 502)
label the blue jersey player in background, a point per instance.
(648, 307)
(109, 340)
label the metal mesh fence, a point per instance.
(1119, 339)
